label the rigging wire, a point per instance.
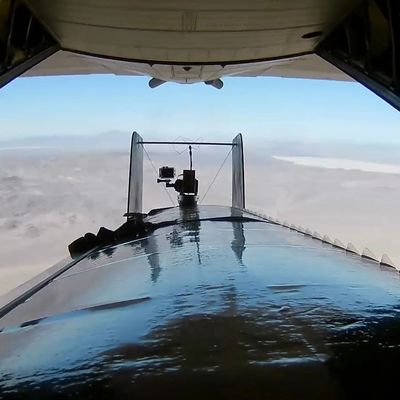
(155, 170)
(185, 139)
(216, 175)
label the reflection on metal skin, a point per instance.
(239, 240)
(299, 321)
(150, 247)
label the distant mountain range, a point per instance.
(110, 140)
(254, 146)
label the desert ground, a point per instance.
(50, 194)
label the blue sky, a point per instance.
(273, 108)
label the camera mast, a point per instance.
(187, 186)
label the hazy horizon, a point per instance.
(319, 154)
(51, 196)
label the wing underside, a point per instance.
(189, 41)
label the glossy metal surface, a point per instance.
(135, 187)
(238, 185)
(208, 309)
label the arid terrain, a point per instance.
(52, 192)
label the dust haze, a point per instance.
(53, 190)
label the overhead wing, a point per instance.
(67, 63)
(189, 41)
(190, 31)
(183, 40)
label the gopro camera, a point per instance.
(166, 173)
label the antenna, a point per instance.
(190, 157)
